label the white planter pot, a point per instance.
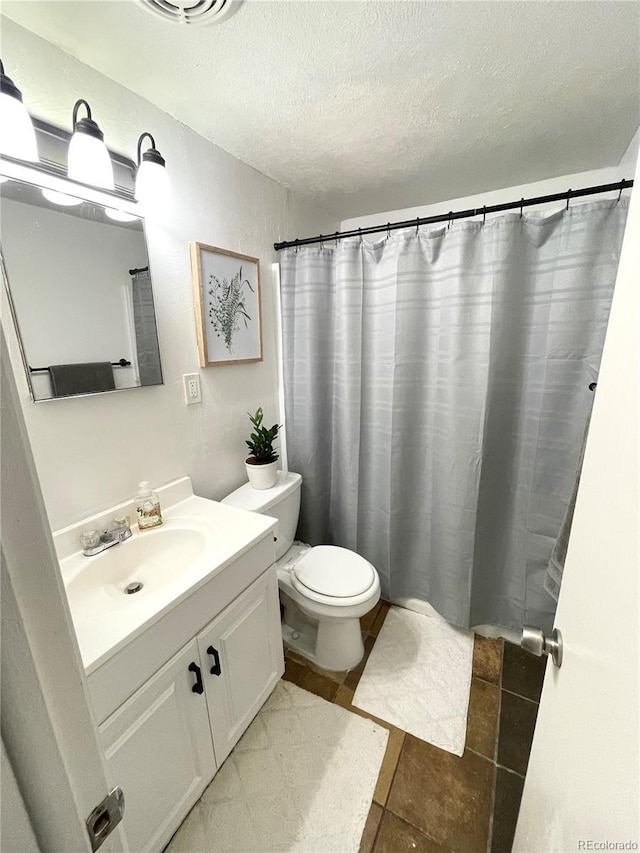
(262, 476)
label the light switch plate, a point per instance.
(192, 393)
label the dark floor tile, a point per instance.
(301, 675)
(334, 675)
(320, 685)
(371, 828)
(396, 836)
(389, 765)
(505, 811)
(487, 659)
(447, 798)
(517, 722)
(353, 676)
(522, 672)
(482, 719)
(369, 618)
(379, 620)
(294, 671)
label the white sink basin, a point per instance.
(198, 539)
(153, 558)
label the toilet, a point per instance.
(324, 590)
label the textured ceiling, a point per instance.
(370, 106)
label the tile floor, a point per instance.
(430, 801)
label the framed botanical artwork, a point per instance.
(227, 298)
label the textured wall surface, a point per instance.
(379, 105)
(504, 195)
(92, 452)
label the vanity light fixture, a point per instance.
(153, 188)
(17, 136)
(88, 158)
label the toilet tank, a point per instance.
(281, 502)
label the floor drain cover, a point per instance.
(133, 587)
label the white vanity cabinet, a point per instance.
(158, 749)
(241, 654)
(164, 744)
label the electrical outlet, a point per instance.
(192, 392)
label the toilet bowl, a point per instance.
(324, 590)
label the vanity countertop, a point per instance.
(199, 539)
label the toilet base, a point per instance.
(339, 645)
(334, 644)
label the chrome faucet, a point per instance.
(94, 542)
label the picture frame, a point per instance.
(228, 305)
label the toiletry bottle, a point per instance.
(147, 507)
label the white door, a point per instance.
(582, 782)
(242, 660)
(48, 728)
(158, 747)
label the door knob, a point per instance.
(535, 641)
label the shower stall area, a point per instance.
(438, 378)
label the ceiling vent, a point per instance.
(192, 12)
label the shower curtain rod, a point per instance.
(460, 214)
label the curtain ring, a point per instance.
(388, 230)
(484, 214)
(297, 247)
(621, 188)
(450, 219)
(417, 224)
(360, 234)
(568, 199)
(321, 242)
(521, 206)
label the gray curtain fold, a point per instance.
(436, 389)
(144, 321)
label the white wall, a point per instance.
(16, 832)
(91, 452)
(623, 169)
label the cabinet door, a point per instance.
(158, 749)
(242, 658)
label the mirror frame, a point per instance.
(79, 190)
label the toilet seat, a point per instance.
(328, 573)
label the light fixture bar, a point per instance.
(57, 181)
(53, 170)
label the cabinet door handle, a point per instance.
(198, 687)
(215, 669)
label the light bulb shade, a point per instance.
(61, 198)
(17, 136)
(89, 161)
(120, 215)
(153, 187)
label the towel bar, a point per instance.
(121, 363)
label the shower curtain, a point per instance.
(436, 395)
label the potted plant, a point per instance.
(262, 460)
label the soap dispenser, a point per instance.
(147, 507)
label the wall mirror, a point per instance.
(80, 290)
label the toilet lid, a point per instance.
(335, 572)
